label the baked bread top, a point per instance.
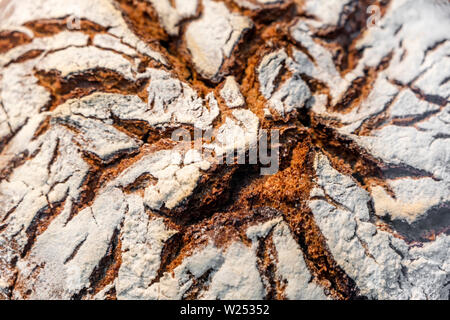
(117, 117)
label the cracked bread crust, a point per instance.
(99, 201)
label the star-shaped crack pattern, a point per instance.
(99, 200)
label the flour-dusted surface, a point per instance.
(108, 192)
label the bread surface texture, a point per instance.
(224, 149)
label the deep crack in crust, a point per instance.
(99, 202)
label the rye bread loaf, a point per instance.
(99, 199)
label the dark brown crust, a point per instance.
(12, 39)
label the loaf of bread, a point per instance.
(224, 149)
